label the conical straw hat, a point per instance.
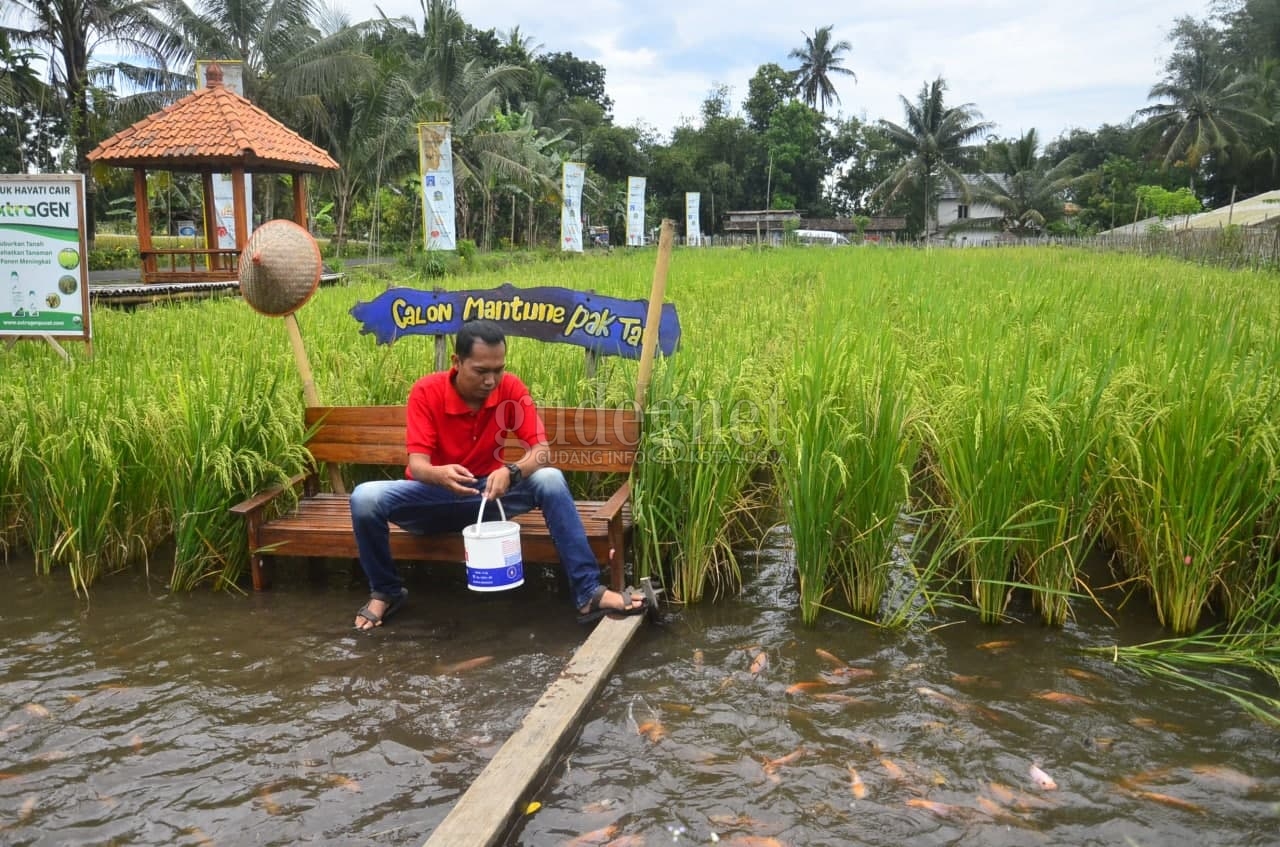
(279, 268)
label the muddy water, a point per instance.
(143, 718)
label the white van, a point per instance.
(820, 236)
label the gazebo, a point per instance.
(212, 130)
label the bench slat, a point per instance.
(321, 526)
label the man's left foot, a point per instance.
(607, 602)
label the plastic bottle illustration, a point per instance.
(16, 293)
(33, 308)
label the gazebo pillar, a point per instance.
(237, 197)
(144, 222)
(300, 200)
(208, 209)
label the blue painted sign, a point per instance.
(607, 325)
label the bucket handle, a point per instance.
(501, 511)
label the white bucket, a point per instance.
(494, 562)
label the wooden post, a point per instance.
(144, 223)
(300, 200)
(309, 393)
(649, 346)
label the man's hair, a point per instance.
(472, 331)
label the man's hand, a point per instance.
(497, 484)
(456, 478)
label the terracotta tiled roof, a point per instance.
(212, 128)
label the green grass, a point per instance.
(1041, 399)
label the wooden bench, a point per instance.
(598, 441)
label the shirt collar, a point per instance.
(455, 405)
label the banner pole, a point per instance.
(649, 345)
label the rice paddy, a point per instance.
(1032, 410)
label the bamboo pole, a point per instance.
(309, 392)
(649, 346)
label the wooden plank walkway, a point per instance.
(485, 813)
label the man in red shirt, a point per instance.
(457, 423)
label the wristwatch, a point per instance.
(514, 470)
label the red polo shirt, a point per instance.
(441, 424)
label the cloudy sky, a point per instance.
(1052, 66)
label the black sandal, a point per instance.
(595, 611)
(393, 605)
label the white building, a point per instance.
(953, 208)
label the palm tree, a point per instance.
(1027, 194)
(819, 59)
(1204, 110)
(298, 62)
(73, 31)
(931, 145)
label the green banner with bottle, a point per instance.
(43, 274)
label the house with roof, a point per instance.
(954, 209)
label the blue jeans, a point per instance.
(421, 508)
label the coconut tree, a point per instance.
(1028, 194)
(932, 144)
(1204, 110)
(73, 33)
(819, 59)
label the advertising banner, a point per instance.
(44, 276)
(435, 163)
(692, 232)
(635, 211)
(224, 204)
(608, 325)
(575, 174)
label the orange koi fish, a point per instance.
(753, 841)
(596, 836)
(36, 710)
(467, 665)
(630, 840)
(975, 680)
(805, 687)
(760, 662)
(832, 658)
(1065, 698)
(652, 730)
(1001, 792)
(856, 786)
(895, 772)
(1169, 800)
(942, 810)
(771, 765)
(1086, 676)
(996, 645)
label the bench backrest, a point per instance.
(581, 439)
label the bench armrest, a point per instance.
(611, 508)
(256, 503)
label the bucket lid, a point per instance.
(490, 529)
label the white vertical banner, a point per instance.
(635, 211)
(224, 203)
(692, 232)
(575, 173)
(435, 162)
